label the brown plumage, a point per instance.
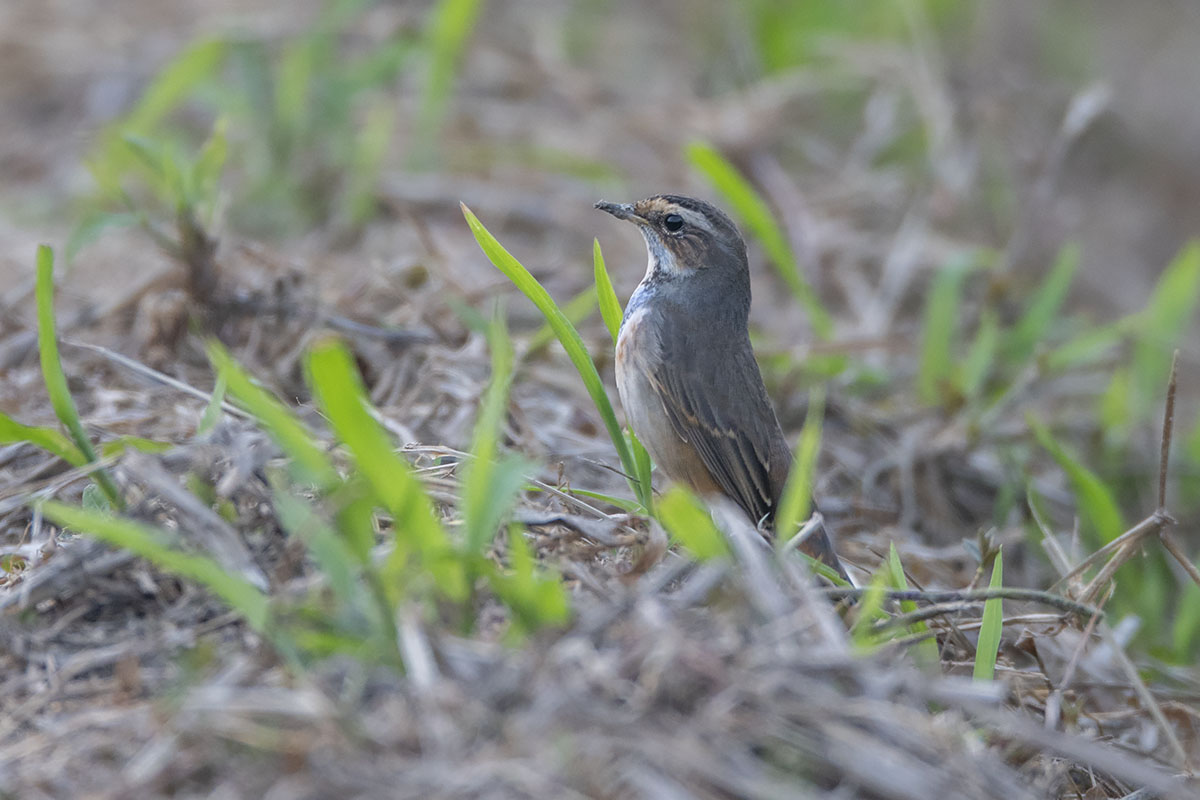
(686, 372)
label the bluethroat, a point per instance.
(686, 372)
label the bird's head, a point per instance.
(685, 236)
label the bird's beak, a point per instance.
(621, 211)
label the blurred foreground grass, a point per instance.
(296, 136)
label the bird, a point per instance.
(686, 372)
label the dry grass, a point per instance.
(672, 680)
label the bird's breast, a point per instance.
(639, 357)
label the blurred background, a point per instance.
(992, 201)
(870, 114)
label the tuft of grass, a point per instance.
(753, 212)
(335, 514)
(990, 629)
(420, 543)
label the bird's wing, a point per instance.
(722, 410)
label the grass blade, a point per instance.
(309, 462)
(993, 623)
(1163, 324)
(449, 27)
(981, 356)
(938, 331)
(576, 310)
(49, 439)
(1096, 502)
(56, 379)
(338, 390)
(1044, 306)
(753, 212)
(149, 543)
(490, 486)
(796, 502)
(691, 525)
(606, 296)
(571, 342)
(926, 650)
(212, 411)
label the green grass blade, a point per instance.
(753, 212)
(690, 524)
(49, 439)
(535, 598)
(1096, 503)
(576, 310)
(870, 611)
(938, 331)
(571, 342)
(374, 140)
(195, 65)
(610, 311)
(1043, 308)
(151, 544)
(643, 468)
(449, 27)
(339, 393)
(606, 296)
(1090, 346)
(329, 550)
(990, 629)
(1164, 323)
(309, 462)
(56, 379)
(212, 411)
(490, 486)
(981, 356)
(926, 650)
(796, 502)
(631, 506)
(122, 444)
(90, 228)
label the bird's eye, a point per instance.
(673, 223)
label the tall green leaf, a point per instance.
(938, 331)
(309, 462)
(690, 524)
(1043, 308)
(926, 650)
(991, 628)
(796, 501)
(56, 379)
(1096, 503)
(151, 544)
(491, 483)
(338, 390)
(606, 296)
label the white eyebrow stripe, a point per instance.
(693, 218)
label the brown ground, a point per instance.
(117, 680)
